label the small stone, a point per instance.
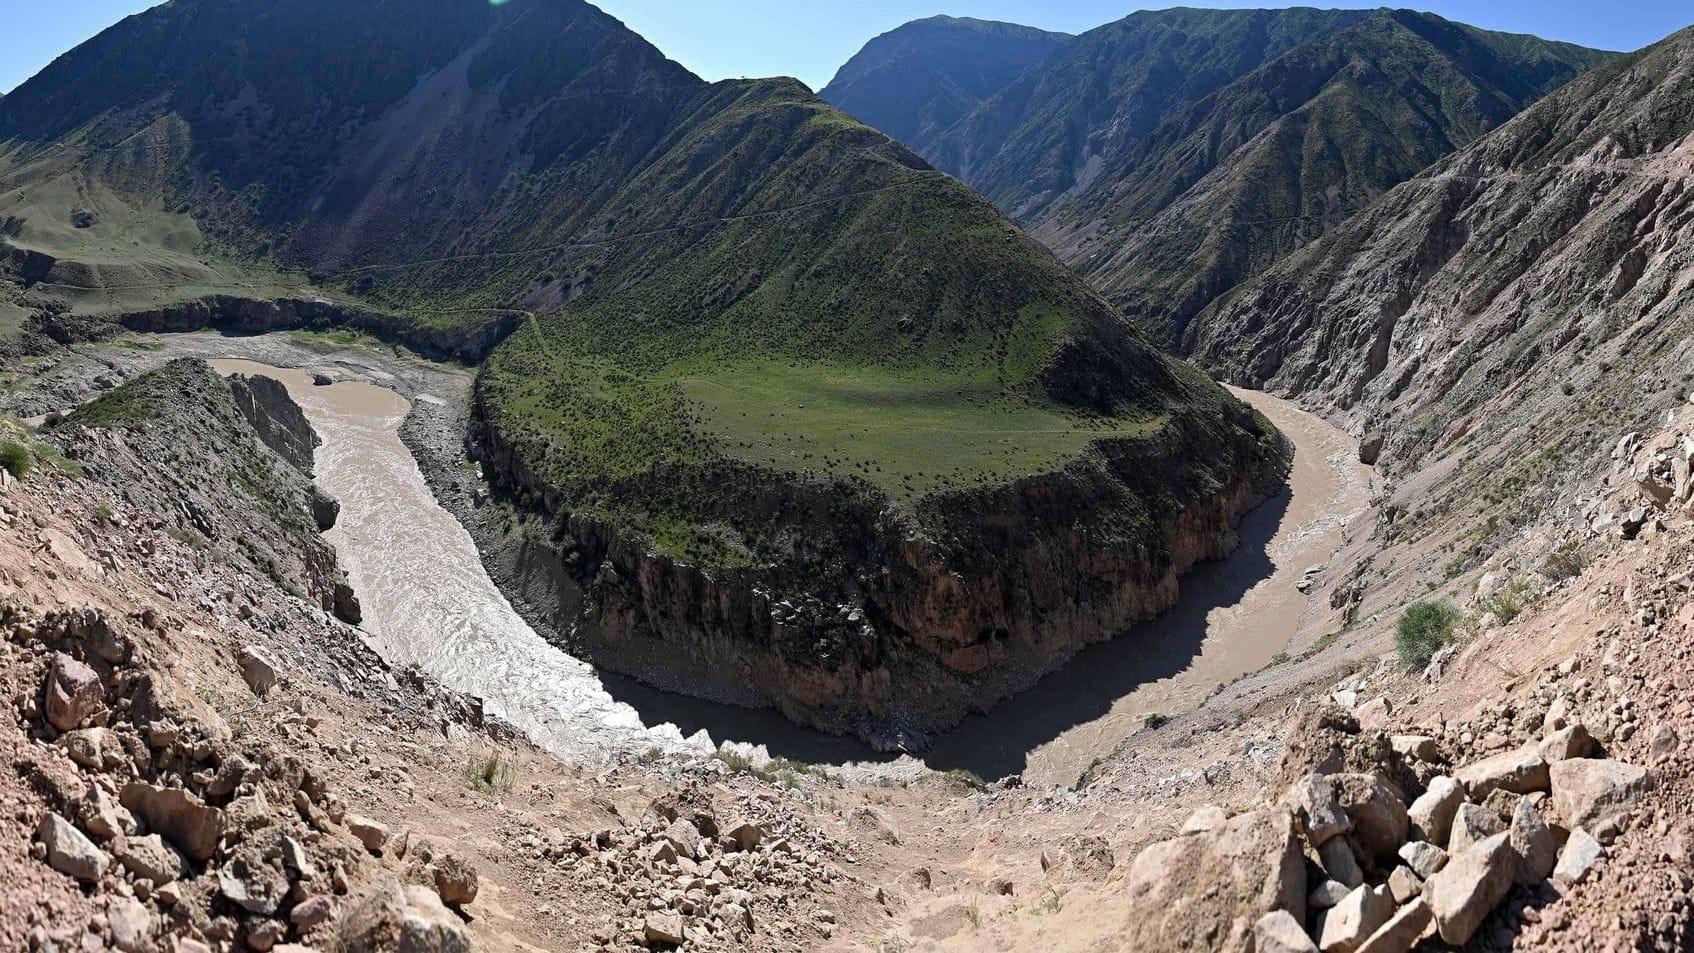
(1472, 884)
(1402, 931)
(1581, 852)
(311, 912)
(1587, 792)
(180, 817)
(1208, 818)
(149, 857)
(1473, 824)
(1327, 894)
(1433, 811)
(745, 834)
(663, 928)
(1378, 814)
(370, 832)
(1315, 806)
(130, 924)
(1423, 858)
(1421, 747)
(1403, 884)
(1279, 932)
(68, 850)
(1355, 918)
(455, 880)
(258, 668)
(1533, 842)
(73, 691)
(1572, 741)
(1339, 862)
(265, 934)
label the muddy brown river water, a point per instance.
(429, 602)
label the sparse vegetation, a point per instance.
(1423, 630)
(489, 772)
(1511, 599)
(15, 459)
(1156, 720)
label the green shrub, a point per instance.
(14, 458)
(1424, 629)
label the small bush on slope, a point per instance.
(1424, 629)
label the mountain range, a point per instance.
(1173, 154)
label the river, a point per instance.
(429, 602)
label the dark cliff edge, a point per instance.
(890, 624)
(233, 315)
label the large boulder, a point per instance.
(149, 857)
(1355, 918)
(1533, 842)
(1473, 824)
(1432, 813)
(1402, 930)
(1279, 932)
(1590, 792)
(1207, 891)
(1472, 884)
(73, 693)
(396, 919)
(1312, 799)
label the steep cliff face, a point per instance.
(885, 621)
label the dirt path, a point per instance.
(1234, 618)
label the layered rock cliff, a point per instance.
(882, 621)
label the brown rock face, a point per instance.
(927, 613)
(1207, 891)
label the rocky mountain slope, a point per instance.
(1050, 132)
(1490, 311)
(695, 302)
(918, 80)
(1175, 153)
(1232, 184)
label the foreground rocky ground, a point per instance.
(198, 755)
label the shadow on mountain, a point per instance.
(998, 744)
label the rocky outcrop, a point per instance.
(891, 624)
(180, 443)
(277, 419)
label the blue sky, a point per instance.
(811, 38)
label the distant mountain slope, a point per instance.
(1514, 309)
(1052, 131)
(800, 420)
(1230, 185)
(915, 81)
